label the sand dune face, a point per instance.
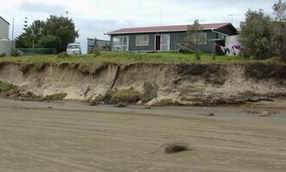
(189, 84)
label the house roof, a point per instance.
(174, 28)
(4, 20)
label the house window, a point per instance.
(120, 43)
(220, 36)
(203, 38)
(142, 40)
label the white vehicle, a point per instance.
(74, 49)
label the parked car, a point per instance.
(74, 49)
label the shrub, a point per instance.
(96, 52)
(49, 41)
(56, 97)
(3, 55)
(256, 35)
(280, 28)
(15, 53)
(63, 55)
(5, 86)
(192, 39)
(185, 50)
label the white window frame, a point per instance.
(144, 43)
(121, 46)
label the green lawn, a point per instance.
(114, 57)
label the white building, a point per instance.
(6, 45)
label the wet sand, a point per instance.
(72, 136)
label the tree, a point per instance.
(49, 41)
(55, 32)
(193, 38)
(31, 33)
(64, 29)
(256, 35)
(280, 28)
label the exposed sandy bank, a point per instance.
(188, 84)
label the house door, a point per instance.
(158, 43)
(165, 42)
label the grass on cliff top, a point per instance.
(116, 57)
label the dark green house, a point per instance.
(168, 38)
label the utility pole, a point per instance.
(161, 17)
(13, 29)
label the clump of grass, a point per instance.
(56, 97)
(63, 55)
(4, 86)
(96, 53)
(124, 96)
(175, 148)
(91, 68)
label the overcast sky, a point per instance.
(93, 18)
